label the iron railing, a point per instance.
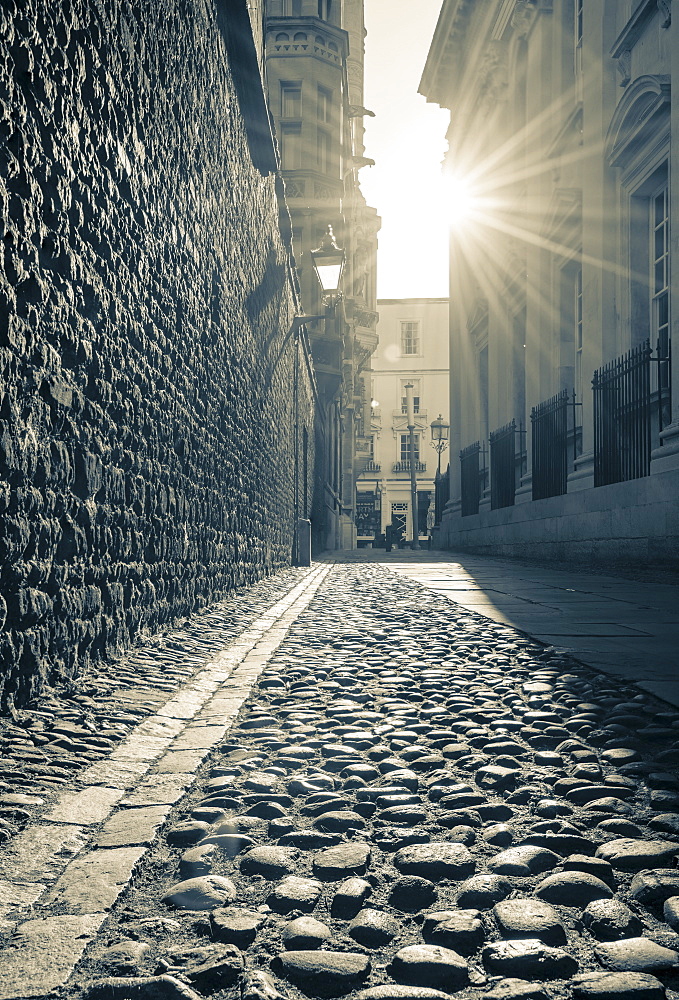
(550, 446)
(622, 417)
(470, 479)
(441, 494)
(503, 466)
(371, 466)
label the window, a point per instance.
(291, 100)
(660, 263)
(325, 9)
(290, 147)
(483, 390)
(578, 13)
(410, 336)
(405, 447)
(324, 101)
(577, 331)
(323, 151)
(415, 382)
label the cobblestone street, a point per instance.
(413, 800)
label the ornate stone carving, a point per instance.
(665, 8)
(360, 262)
(522, 18)
(366, 319)
(624, 67)
(493, 76)
(294, 189)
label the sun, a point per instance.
(462, 203)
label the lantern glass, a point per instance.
(329, 261)
(439, 429)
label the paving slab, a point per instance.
(41, 852)
(88, 806)
(158, 789)
(41, 954)
(93, 882)
(638, 623)
(132, 826)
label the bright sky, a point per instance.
(407, 141)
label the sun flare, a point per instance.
(461, 201)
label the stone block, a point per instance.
(92, 884)
(43, 953)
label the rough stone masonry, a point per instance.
(146, 435)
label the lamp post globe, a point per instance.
(439, 438)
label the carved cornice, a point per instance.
(445, 57)
(634, 29)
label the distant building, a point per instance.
(564, 400)
(413, 348)
(314, 55)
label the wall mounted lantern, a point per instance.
(329, 260)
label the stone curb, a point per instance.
(82, 854)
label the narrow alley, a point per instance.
(367, 789)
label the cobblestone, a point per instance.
(353, 715)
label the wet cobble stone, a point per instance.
(412, 805)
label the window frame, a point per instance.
(288, 131)
(416, 324)
(577, 332)
(404, 446)
(578, 32)
(324, 102)
(323, 151)
(659, 295)
(417, 394)
(289, 87)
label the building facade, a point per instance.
(412, 349)
(564, 399)
(314, 52)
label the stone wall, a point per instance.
(147, 403)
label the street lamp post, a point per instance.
(328, 260)
(439, 442)
(439, 438)
(410, 407)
